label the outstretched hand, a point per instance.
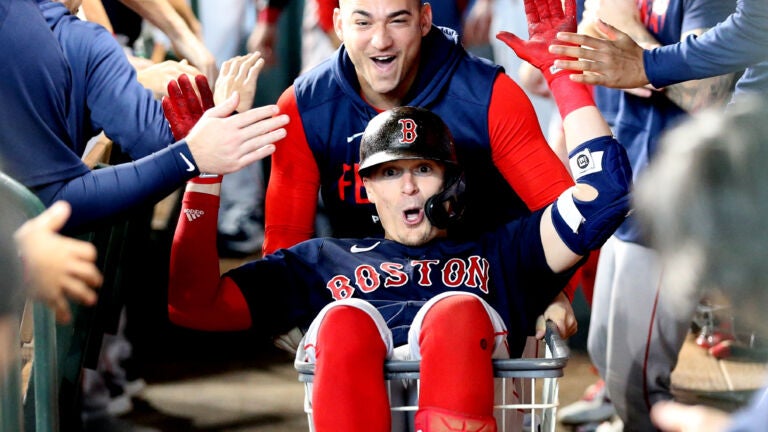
(239, 74)
(615, 61)
(182, 107)
(57, 268)
(545, 18)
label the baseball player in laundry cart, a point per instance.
(416, 293)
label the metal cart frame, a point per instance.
(534, 381)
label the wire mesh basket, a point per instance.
(526, 388)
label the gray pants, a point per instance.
(636, 330)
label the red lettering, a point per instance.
(408, 128)
(340, 287)
(343, 182)
(367, 278)
(356, 183)
(423, 268)
(359, 188)
(454, 271)
(477, 273)
(395, 276)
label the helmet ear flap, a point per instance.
(446, 207)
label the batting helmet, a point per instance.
(416, 133)
(405, 133)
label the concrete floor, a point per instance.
(259, 395)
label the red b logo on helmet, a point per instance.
(409, 131)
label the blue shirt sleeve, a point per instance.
(115, 101)
(106, 192)
(739, 41)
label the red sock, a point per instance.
(456, 345)
(349, 392)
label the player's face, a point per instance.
(383, 40)
(399, 190)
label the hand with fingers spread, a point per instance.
(182, 107)
(239, 74)
(615, 62)
(57, 268)
(222, 143)
(545, 19)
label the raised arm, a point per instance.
(584, 216)
(736, 43)
(186, 44)
(294, 181)
(218, 143)
(197, 297)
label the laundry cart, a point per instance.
(526, 388)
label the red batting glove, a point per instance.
(182, 107)
(545, 19)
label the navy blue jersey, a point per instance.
(505, 267)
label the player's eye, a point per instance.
(424, 168)
(389, 172)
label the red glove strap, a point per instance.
(569, 95)
(206, 179)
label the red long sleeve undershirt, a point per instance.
(197, 297)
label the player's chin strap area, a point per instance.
(585, 225)
(447, 206)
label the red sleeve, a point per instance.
(197, 297)
(325, 14)
(294, 181)
(519, 149)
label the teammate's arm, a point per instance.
(197, 297)
(736, 43)
(584, 216)
(294, 182)
(519, 149)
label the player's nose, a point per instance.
(409, 185)
(381, 38)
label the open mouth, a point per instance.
(383, 60)
(413, 216)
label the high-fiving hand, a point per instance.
(182, 107)
(545, 19)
